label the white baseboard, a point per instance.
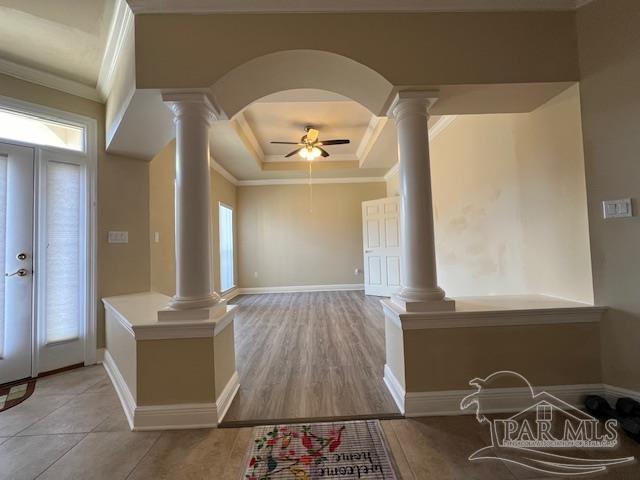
(395, 388)
(303, 288)
(226, 397)
(174, 417)
(496, 400)
(230, 295)
(612, 393)
(160, 417)
(124, 394)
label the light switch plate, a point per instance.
(118, 237)
(617, 208)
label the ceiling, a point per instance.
(62, 37)
(242, 145)
(280, 120)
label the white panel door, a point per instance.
(381, 239)
(16, 261)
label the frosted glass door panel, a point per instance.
(63, 266)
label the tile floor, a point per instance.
(73, 427)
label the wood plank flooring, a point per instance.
(309, 356)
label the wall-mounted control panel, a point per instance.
(118, 237)
(617, 208)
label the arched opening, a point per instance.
(295, 69)
(309, 344)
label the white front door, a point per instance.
(16, 261)
(381, 239)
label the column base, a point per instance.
(415, 300)
(188, 303)
(172, 314)
(443, 305)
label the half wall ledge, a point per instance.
(169, 374)
(431, 357)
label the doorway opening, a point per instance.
(47, 240)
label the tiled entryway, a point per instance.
(73, 427)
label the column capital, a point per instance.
(191, 103)
(417, 101)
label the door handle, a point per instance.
(22, 272)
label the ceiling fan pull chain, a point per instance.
(310, 191)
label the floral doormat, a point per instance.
(344, 450)
(14, 393)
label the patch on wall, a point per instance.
(320, 450)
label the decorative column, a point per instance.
(419, 290)
(193, 114)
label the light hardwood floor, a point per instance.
(309, 356)
(73, 427)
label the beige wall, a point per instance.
(510, 203)
(162, 220)
(553, 198)
(545, 354)
(471, 47)
(123, 199)
(177, 370)
(289, 245)
(610, 74)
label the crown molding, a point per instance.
(305, 181)
(48, 80)
(443, 122)
(339, 6)
(120, 29)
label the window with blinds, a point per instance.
(63, 284)
(225, 220)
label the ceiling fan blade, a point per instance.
(323, 151)
(292, 153)
(285, 143)
(312, 135)
(335, 142)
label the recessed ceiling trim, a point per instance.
(305, 181)
(248, 137)
(48, 80)
(335, 157)
(340, 6)
(224, 172)
(376, 124)
(119, 31)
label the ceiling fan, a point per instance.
(310, 146)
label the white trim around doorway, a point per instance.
(90, 156)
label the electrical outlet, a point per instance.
(156, 237)
(118, 237)
(255, 274)
(357, 271)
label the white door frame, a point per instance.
(90, 156)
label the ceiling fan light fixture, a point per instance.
(310, 153)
